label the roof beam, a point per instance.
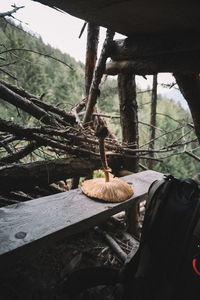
(185, 63)
(156, 45)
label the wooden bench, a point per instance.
(29, 225)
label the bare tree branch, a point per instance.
(8, 73)
(165, 115)
(10, 12)
(8, 64)
(26, 105)
(16, 156)
(34, 51)
(192, 155)
(68, 117)
(173, 130)
(82, 30)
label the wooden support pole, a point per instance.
(129, 125)
(189, 85)
(153, 120)
(90, 63)
(94, 90)
(75, 182)
(128, 116)
(91, 55)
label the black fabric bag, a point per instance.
(167, 263)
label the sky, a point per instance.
(62, 30)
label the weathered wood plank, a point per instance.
(150, 46)
(186, 63)
(46, 219)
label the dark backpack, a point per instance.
(167, 263)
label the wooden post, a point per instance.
(153, 120)
(99, 71)
(91, 55)
(189, 85)
(129, 125)
(90, 63)
(75, 182)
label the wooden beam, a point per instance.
(187, 62)
(148, 46)
(30, 225)
(41, 173)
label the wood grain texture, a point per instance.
(136, 17)
(47, 219)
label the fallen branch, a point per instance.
(16, 156)
(26, 105)
(68, 117)
(34, 134)
(7, 201)
(130, 239)
(74, 140)
(121, 255)
(8, 73)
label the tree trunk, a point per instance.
(153, 120)
(129, 124)
(189, 85)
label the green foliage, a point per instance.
(39, 74)
(65, 87)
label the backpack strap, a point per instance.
(155, 186)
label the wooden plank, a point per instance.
(46, 219)
(137, 17)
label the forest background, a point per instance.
(64, 87)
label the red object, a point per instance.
(195, 267)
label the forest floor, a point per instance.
(42, 276)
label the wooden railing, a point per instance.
(32, 224)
